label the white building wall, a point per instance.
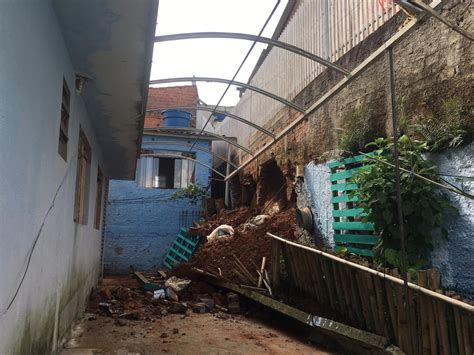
(65, 260)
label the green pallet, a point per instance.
(349, 231)
(181, 250)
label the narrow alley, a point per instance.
(237, 177)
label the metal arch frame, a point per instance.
(358, 70)
(197, 131)
(228, 81)
(250, 37)
(208, 109)
(182, 157)
(197, 147)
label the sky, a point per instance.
(211, 57)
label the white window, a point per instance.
(165, 172)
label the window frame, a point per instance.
(84, 158)
(99, 198)
(64, 121)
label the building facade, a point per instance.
(63, 123)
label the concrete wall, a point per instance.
(454, 257)
(142, 222)
(65, 260)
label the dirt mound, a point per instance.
(248, 246)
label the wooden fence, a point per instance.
(431, 322)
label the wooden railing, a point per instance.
(428, 322)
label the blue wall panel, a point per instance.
(142, 222)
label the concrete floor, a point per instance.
(178, 334)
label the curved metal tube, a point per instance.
(208, 109)
(249, 37)
(228, 81)
(190, 132)
(185, 144)
(182, 157)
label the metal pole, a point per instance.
(227, 182)
(393, 102)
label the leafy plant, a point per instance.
(447, 130)
(356, 131)
(425, 208)
(193, 192)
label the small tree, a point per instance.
(425, 208)
(193, 192)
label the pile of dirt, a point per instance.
(248, 245)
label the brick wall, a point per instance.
(169, 97)
(433, 63)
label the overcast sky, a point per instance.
(211, 57)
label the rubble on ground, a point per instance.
(123, 298)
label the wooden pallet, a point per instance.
(349, 231)
(181, 249)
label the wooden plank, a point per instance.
(356, 238)
(347, 186)
(344, 198)
(425, 326)
(342, 175)
(347, 292)
(451, 325)
(346, 161)
(276, 254)
(392, 308)
(353, 212)
(459, 331)
(314, 289)
(382, 305)
(337, 286)
(466, 334)
(369, 320)
(327, 325)
(357, 226)
(356, 299)
(372, 299)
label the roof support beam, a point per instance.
(194, 133)
(209, 109)
(177, 156)
(186, 144)
(392, 41)
(249, 37)
(228, 81)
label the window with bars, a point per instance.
(81, 202)
(164, 171)
(64, 124)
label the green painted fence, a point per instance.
(349, 231)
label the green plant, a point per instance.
(425, 208)
(447, 129)
(355, 132)
(193, 192)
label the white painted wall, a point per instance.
(65, 262)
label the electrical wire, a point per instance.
(236, 73)
(35, 241)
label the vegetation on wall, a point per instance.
(356, 131)
(447, 129)
(193, 192)
(425, 208)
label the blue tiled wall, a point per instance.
(142, 222)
